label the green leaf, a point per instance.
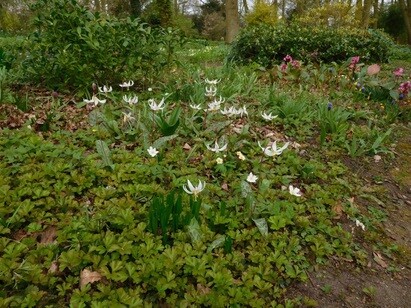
(219, 242)
(105, 153)
(162, 140)
(262, 226)
(194, 230)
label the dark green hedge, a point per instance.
(266, 44)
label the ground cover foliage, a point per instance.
(213, 185)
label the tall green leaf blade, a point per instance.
(105, 153)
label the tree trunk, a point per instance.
(365, 20)
(406, 9)
(283, 9)
(232, 21)
(358, 10)
(376, 6)
(135, 6)
(245, 5)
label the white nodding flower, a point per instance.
(273, 150)
(132, 100)
(228, 112)
(195, 107)
(127, 85)
(152, 151)
(359, 224)
(154, 106)
(94, 100)
(252, 178)
(268, 117)
(128, 117)
(294, 191)
(242, 111)
(105, 89)
(211, 91)
(217, 148)
(212, 81)
(219, 101)
(194, 190)
(213, 106)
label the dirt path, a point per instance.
(385, 282)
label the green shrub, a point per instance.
(266, 44)
(10, 50)
(74, 47)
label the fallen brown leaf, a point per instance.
(378, 259)
(49, 235)
(87, 276)
(224, 186)
(202, 289)
(338, 210)
(186, 147)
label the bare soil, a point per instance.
(386, 280)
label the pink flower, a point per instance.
(283, 67)
(288, 58)
(354, 62)
(296, 64)
(398, 72)
(405, 87)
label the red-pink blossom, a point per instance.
(398, 72)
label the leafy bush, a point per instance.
(75, 47)
(263, 13)
(266, 44)
(336, 14)
(10, 50)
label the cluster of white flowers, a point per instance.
(214, 105)
(232, 111)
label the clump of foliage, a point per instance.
(267, 44)
(333, 14)
(74, 47)
(263, 13)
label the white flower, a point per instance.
(150, 89)
(154, 106)
(242, 111)
(359, 224)
(268, 117)
(194, 190)
(219, 101)
(196, 107)
(105, 89)
(240, 155)
(94, 100)
(217, 148)
(294, 191)
(152, 151)
(127, 117)
(213, 106)
(229, 112)
(213, 81)
(211, 91)
(131, 100)
(252, 178)
(219, 161)
(127, 84)
(273, 150)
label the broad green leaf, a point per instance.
(219, 242)
(262, 226)
(105, 153)
(194, 230)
